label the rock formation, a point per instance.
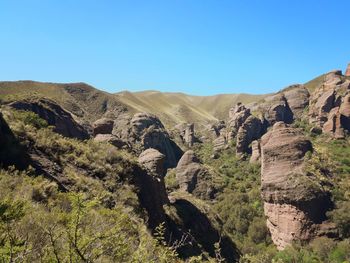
(329, 108)
(220, 143)
(103, 126)
(250, 130)
(297, 97)
(50, 111)
(193, 177)
(114, 140)
(145, 131)
(237, 116)
(189, 134)
(153, 161)
(256, 152)
(294, 201)
(276, 108)
(347, 72)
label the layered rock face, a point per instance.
(48, 110)
(153, 161)
(329, 107)
(294, 202)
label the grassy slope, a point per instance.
(173, 108)
(90, 104)
(79, 98)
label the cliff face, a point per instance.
(294, 202)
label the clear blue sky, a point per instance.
(195, 46)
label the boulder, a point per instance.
(143, 131)
(277, 109)
(193, 177)
(54, 115)
(295, 203)
(187, 171)
(153, 161)
(297, 97)
(103, 126)
(345, 112)
(321, 103)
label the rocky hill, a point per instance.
(168, 177)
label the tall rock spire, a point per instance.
(347, 72)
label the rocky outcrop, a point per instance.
(347, 72)
(220, 143)
(48, 110)
(189, 135)
(250, 130)
(153, 161)
(256, 152)
(103, 126)
(329, 107)
(297, 97)
(144, 131)
(193, 177)
(187, 171)
(276, 108)
(333, 125)
(237, 116)
(295, 203)
(114, 140)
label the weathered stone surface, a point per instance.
(333, 125)
(277, 109)
(187, 171)
(103, 126)
(250, 130)
(347, 72)
(145, 131)
(220, 143)
(297, 97)
(237, 116)
(153, 161)
(345, 112)
(256, 152)
(295, 202)
(193, 177)
(48, 110)
(189, 134)
(112, 139)
(322, 103)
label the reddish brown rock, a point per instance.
(297, 97)
(295, 203)
(347, 72)
(333, 125)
